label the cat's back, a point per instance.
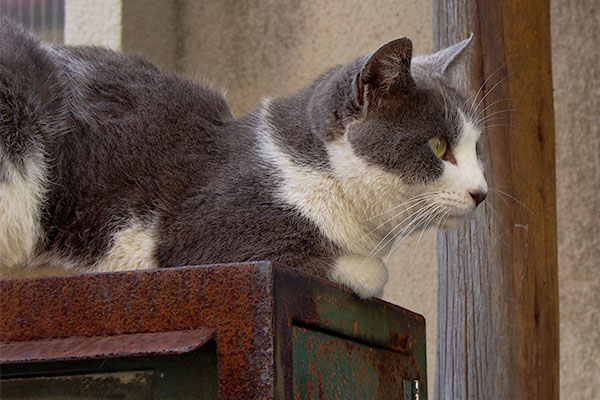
(94, 142)
(104, 108)
(97, 86)
(105, 85)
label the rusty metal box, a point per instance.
(237, 331)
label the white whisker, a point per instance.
(492, 104)
(494, 214)
(513, 198)
(504, 119)
(393, 217)
(497, 125)
(385, 241)
(411, 200)
(481, 87)
(431, 218)
(404, 233)
(494, 113)
(491, 90)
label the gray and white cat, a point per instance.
(107, 163)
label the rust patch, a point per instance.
(234, 300)
(251, 311)
(80, 348)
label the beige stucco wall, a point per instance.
(262, 48)
(93, 22)
(576, 75)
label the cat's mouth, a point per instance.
(461, 214)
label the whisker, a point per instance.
(453, 97)
(496, 125)
(494, 113)
(443, 99)
(385, 241)
(414, 216)
(444, 218)
(492, 104)
(393, 217)
(513, 198)
(496, 119)
(499, 239)
(494, 214)
(491, 90)
(411, 200)
(402, 235)
(433, 216)
(481, 87)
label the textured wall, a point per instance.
(576, 75)
(93, 22)
(146, 27)
(150, 28)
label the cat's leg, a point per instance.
(365, 277)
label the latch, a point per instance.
(411, 390)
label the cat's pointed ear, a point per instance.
(385, 70)
(447, 61)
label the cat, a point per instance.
(107, 163)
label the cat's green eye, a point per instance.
(439, 145)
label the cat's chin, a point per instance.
(454, 222)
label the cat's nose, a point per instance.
(478, 196)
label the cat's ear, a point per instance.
(385, 70)
(447, 62)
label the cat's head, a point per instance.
(413, 131)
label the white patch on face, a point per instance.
(459, 180)
(132, 249)
(340, 202)
(314, 192)
(21, 198)
(376, 196)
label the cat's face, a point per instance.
(415, 127)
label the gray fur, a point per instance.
(122, 139)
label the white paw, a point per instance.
(365, 277)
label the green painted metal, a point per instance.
(343, 347)
(131, 385)
(185, 376)
(332, 367)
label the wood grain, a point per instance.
(498, 282)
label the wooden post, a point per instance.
(498, 282)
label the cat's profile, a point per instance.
(107, 163)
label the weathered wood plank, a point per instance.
(498, 288)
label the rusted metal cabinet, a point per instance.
(238, 331)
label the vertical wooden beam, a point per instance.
(498, 288)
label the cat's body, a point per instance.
(107, 163)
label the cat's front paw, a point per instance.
(365, 277)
